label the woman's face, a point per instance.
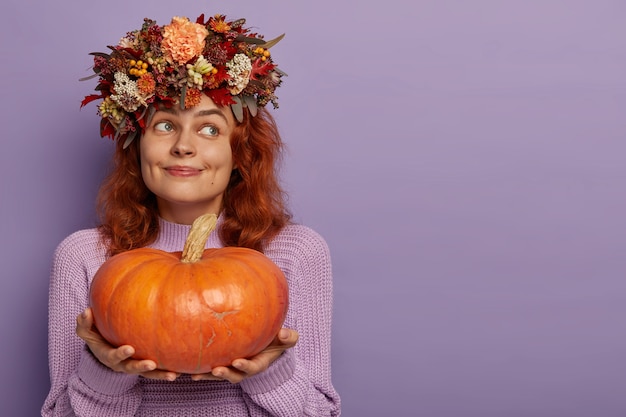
(186, 159)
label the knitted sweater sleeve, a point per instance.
(80, 385)
(299, 382)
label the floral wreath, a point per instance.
(174, 64)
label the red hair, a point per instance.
(254, 208)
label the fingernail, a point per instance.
(284, 334)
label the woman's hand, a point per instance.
(244, 368)
(118, 359)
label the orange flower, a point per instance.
(192, 97)
(218, 24)
(211, 82)
(146, 84)
(183, 40)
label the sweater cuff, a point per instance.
(101, 378)
(276, 374)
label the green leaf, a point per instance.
(119, 129)
(237, 109)
(151, 111)
(89, 77)
(248, 39)
(269, 44)
(183, 94)
(101, 54)
(129, 139)
(250, 102)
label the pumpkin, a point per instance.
(193, 310)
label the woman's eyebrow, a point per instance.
(164, 109)
(200, 113)
(210, 112)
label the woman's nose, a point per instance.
(184, 145)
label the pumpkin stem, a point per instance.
(197, 237)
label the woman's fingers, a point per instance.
(118, 359)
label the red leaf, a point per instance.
(220, 76)
(132, 52)
(88, 99)
(106, 129)
(141, 121)
(260, 67)
(220, 96)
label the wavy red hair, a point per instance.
(254, 206)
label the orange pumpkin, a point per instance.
(191, 311)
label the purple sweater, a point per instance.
(298, 383)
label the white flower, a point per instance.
(127, 42)
(274, 77)
(126, 93)
(239, 69)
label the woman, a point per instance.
(185, 103)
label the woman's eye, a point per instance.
(164, 126)
(210, 131)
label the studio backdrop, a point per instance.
(463, 159)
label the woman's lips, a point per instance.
(182, 171)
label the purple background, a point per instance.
(464, 160)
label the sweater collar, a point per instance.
(172, 236)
